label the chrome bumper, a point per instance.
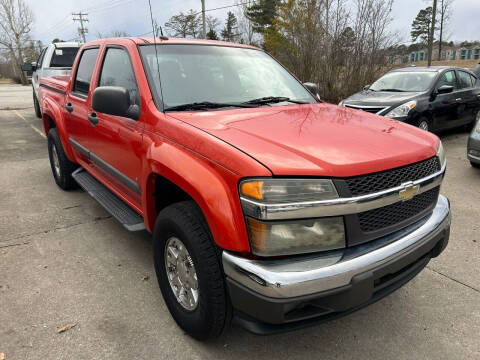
(311, 274)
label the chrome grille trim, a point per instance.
(336, 207)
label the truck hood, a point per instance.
(316, 140)
(380, 98)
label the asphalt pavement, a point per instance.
(64, 260)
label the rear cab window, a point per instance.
(83, 75)
(63, 57)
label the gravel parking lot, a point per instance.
(64, 260)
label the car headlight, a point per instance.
(441, 154)
(402, 110)
(295, 236)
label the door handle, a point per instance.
(69, 107)
(459, 99)
(93, 118)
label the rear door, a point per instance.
(78, 102)
(467, 98)
(115, 141)
(445, 106)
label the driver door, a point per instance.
(445, 106)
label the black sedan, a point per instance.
(432, 98)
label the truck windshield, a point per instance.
(401, 81)
(63, 56)
(191, 74)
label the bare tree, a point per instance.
(112, 34)
(339, 44)
(15, 24)
(444, 12)
(245, 25)
(184, 25)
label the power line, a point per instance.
(81, 17)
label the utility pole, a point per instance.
(432, 33)
(81, 18)
(204, 26)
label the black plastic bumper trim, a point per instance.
(264, 315)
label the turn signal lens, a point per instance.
(252, 189)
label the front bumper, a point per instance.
(473, 147)
(279, 295)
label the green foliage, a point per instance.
(262, 14)
(212, 35)
(421, 25)
(230, 31)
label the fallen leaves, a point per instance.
(145, 278)
(65, 328)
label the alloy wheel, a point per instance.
(181, 273)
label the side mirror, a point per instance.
(445, 89)
(313, 88)
(114, 100)
(366, 87)
(34, 65)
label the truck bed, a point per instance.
(55, 83)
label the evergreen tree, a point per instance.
(262, 14)
(421, 25)
(229, 32)
(212, 35)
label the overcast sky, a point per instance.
(55, 19)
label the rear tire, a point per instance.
(423, 123)
(475, 165)
(210, 313)
(36, 106)
(62, 167)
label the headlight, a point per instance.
(402, 110)
(288, 190)
(274, 238)
(441, 154)
(288, 237)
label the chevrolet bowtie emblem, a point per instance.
(409, 191)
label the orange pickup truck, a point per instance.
(267, 205)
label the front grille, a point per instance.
(373, 110)
(367, 184)
(396, 213)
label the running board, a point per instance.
(128, 217)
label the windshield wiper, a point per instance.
(392, 90)
(272, 100)
(205, 105)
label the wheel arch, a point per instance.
(180, 175)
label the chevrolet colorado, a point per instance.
(267, 206)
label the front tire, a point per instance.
(189, 272)
(423, 123)
(475, 165)
(62, 167)
(36, 106)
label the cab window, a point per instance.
(448, 79)
(85, 71)
(464, 80)
(40, 58)
(117, 70)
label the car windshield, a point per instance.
(404, 81)
(63, 56)
(192, 74)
